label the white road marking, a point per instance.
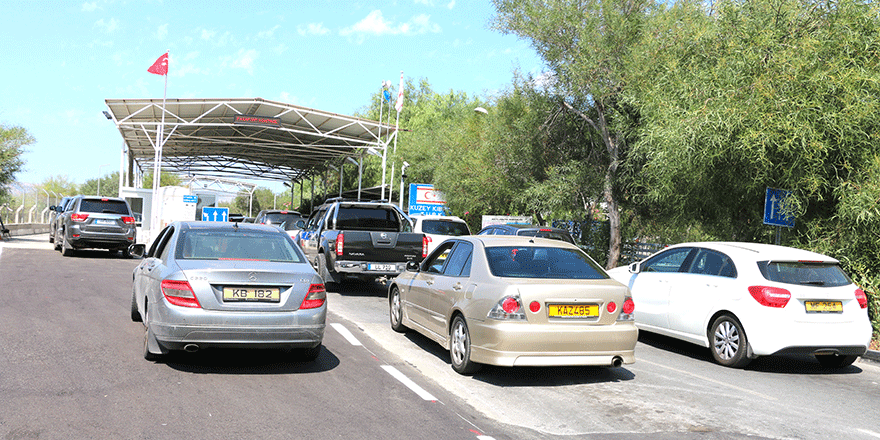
(871, 433)
(725, 384)
(346, 334)
(409, 383)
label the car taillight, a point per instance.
(862, 298)
(425, 241)
(79, 217)
(535, 306)
(340, 243)
(180, 293)
(128, 220)
(626, 312)
(770, 296)
(510, 307)
(316, 297)
(611, 307)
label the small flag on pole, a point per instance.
(160, 67)
(399, 104)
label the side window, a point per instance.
(159, 245)
(315, 219)
(460, 259)
(709, 262)
(486, 231)
(669, 261)
(438, 258)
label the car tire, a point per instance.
(149, 338)
(57, 242)
(460, 348)
(325, 272)
(135, 315)
(396, 310)
(728, 342)
(66, 248)
(125, 253)
(835, 360)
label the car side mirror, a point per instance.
(412, 266)
(137, 250)
(300, 224)
(635, 268)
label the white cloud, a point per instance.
(108, 26)
(451, 5)
(162, 32)
(312, 29)
(89, 7)
(375, 24)
(208, 35)
(269, 33)
(279, 49)
(244, 59)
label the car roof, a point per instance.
(520, 226)
(278, 211)
(226, 226)
(516, 240)
(437, 217)
(759, 251)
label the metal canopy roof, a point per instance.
(201, 137)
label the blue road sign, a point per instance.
(189, 198)
(777, 210)
(212, 214)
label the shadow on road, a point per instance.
(780, 364)
(246, 361)
(355, 287)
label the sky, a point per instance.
(62, 59)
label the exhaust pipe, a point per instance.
(191, 348)
(616, 361)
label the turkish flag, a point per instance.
(160, 67)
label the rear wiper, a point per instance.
(813, 283)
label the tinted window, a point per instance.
(438, 258)
(542, 262)
(709, 262)
(236, 245)
(279, 218)
(546, 233)
(460, 259)
(804, 273)
(445, 227)
(669, 261)
(370, 219)
(486, 231)
(104, 206)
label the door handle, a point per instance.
(456, 286)
(429, 282)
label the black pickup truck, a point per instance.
(366, 240)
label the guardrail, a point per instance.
(18, 229)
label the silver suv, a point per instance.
(95, 222)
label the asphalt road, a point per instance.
(71, 367)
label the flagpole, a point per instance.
(155, 227)
(381, 107)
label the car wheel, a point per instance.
(150, 338)
(135, 315)
(51, 238)
(325, 273)
(835, 360)
(125, 253)
(729, 342)
(66, 249)
(396, 310)
(58, 242)
(460, 348)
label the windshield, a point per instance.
(445, 227)
(236, 245)
(367, 218)
(542, 262)
(104, 206)
(279, 218)
(804, 273)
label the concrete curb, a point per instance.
(872, 355)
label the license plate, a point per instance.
(382, 267)
(824, 306)
(258, 294)
(573, 310)
(104, 222)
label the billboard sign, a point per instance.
(425, 200)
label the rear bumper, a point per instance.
(364, 268)
(78, 238)
(843, 337)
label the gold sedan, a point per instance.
(515, 301)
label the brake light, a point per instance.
(535, 306)
(510, 305)
(316, 297)
(180, 293)
(862, 298)
(80, 217)
(128, 220)
(508, 308)
(425, 241)
(770, 296)
(611, 307)
(546, 230)
(626, 312)
(340, 243)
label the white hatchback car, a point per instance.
(745, 300)
(438, 228)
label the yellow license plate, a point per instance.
(824, 306)
(260, 294)
(573, 310)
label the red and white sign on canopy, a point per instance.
(160, 67)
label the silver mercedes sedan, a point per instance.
(515, 301)
(211, 284)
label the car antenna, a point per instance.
(235, 225)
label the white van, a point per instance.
(439, 227)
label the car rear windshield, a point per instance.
(104, 206)
(545, 233)
(445, 227)
(238, 245)
(279, 218)
(804, 273)
(542, 262)
(367, 219)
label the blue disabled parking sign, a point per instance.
(778, 210)
(212, 214)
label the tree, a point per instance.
(109, 185)
(13, 139)
(585, 45)
(165, 179)
(59, 186)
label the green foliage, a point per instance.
(165, 179)
(108, 185)
(13, 139)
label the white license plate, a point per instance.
(382, 267)
(104, 222)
